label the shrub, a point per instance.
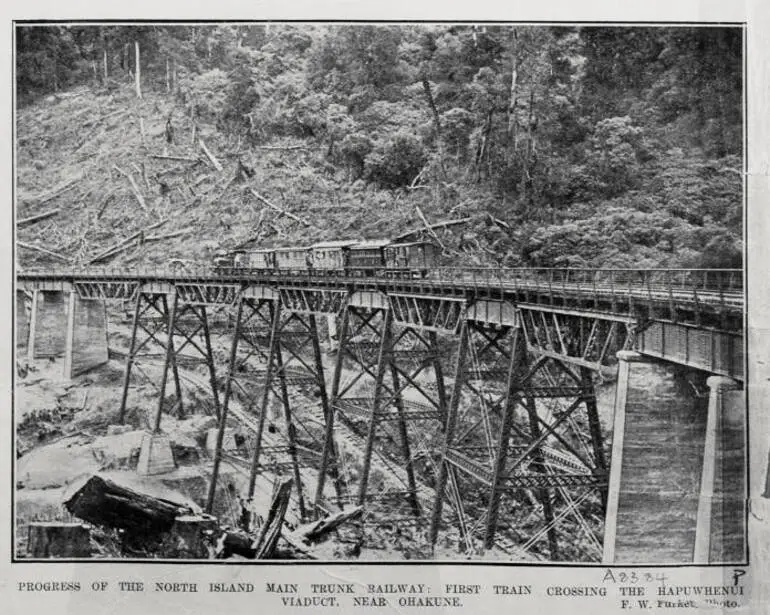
(207, 94)
(396, 161)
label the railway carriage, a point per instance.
(261, 259)
(366, 257)
(412, 258)
(297, 259)
(331, 256)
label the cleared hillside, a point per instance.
(76, 151)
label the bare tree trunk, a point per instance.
(55, 64)
(138, 74)
(168, 78)
(512, 124)
(436, 121)
(483, 150)
(104, 59)
(526, 182)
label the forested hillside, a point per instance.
(565, 146)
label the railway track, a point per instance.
(699, 288)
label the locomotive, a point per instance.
(346, 257)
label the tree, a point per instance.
(396, 161)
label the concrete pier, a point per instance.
(719, 533)
(22, 321)
(656, 467)
(155, 456)
(86, 341)
(48, 330)
(62, 324)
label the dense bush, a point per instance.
(206, 94)
(396, 161)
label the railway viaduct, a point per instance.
(499, 365)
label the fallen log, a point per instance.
(119, 247)
(210, 156)
(428, 226)
(104, 502)
(104, 117)
(60, 189)
(283, 147)
(417, 178)
(134, 187)
(278, 209)
(181, 158)
(126, 243)
(85, 195)
(29, 246)
(167, 235)
(498, 222)
(311, 532)
(435, 225)
(297, 546)
(103, 204)
(255, 236)
(271, 530)
(37, 218)
(225, 189)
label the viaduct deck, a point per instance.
(692, 317)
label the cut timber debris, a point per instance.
(104, 502)
(428, 226)
(166, 236)
(61, 188)
(310, 532)
(181, 158)
(117, 248)
(235, 542)
(103, 204)
(104, 117)
(134, 187)
(125, 244)
(498, 222)
(271, 530)
(435, 225)
(210, 156)
(29, 246)
(278, 209)
(301, 550)
(37, 218)
(282, 147)
(258, 233)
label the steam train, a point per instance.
(348, 257)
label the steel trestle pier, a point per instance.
(469, 393)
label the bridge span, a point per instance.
(480, 384)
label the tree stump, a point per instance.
(190, 537)
(56, 539)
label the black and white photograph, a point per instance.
(328, 291)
